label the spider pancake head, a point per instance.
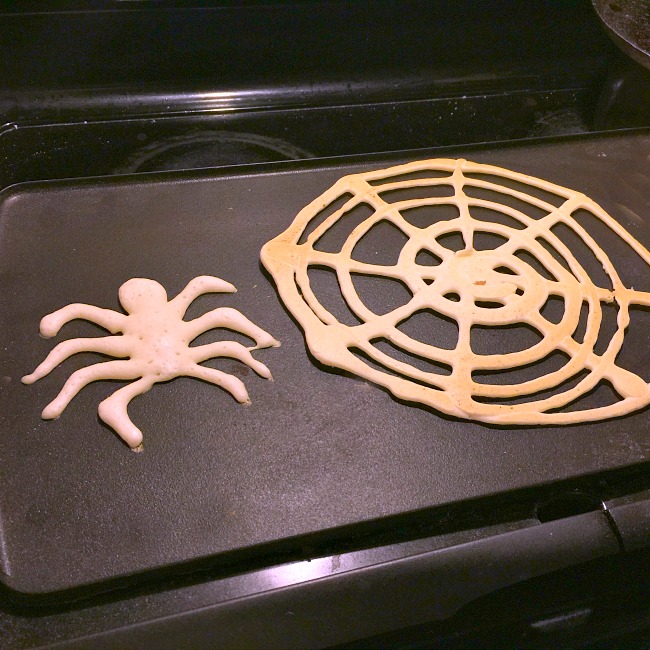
(140, 294)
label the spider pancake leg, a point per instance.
(113, 411)
(233, 350)
(106, 370)
(197, 287)
(113, 346)
(106, 318)
(231, 319)
(228, 382)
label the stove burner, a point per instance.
(209, 149)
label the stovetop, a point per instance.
(142, 87)
(106, 88)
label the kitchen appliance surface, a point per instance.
(316, 451)
(173, 139)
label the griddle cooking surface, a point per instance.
(315, 451)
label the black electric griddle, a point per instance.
(317, 452)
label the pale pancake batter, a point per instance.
(153, 346)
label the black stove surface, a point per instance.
(153, 87)
(106, 88)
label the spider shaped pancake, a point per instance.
(154, 346)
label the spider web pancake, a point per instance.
(470, 285)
